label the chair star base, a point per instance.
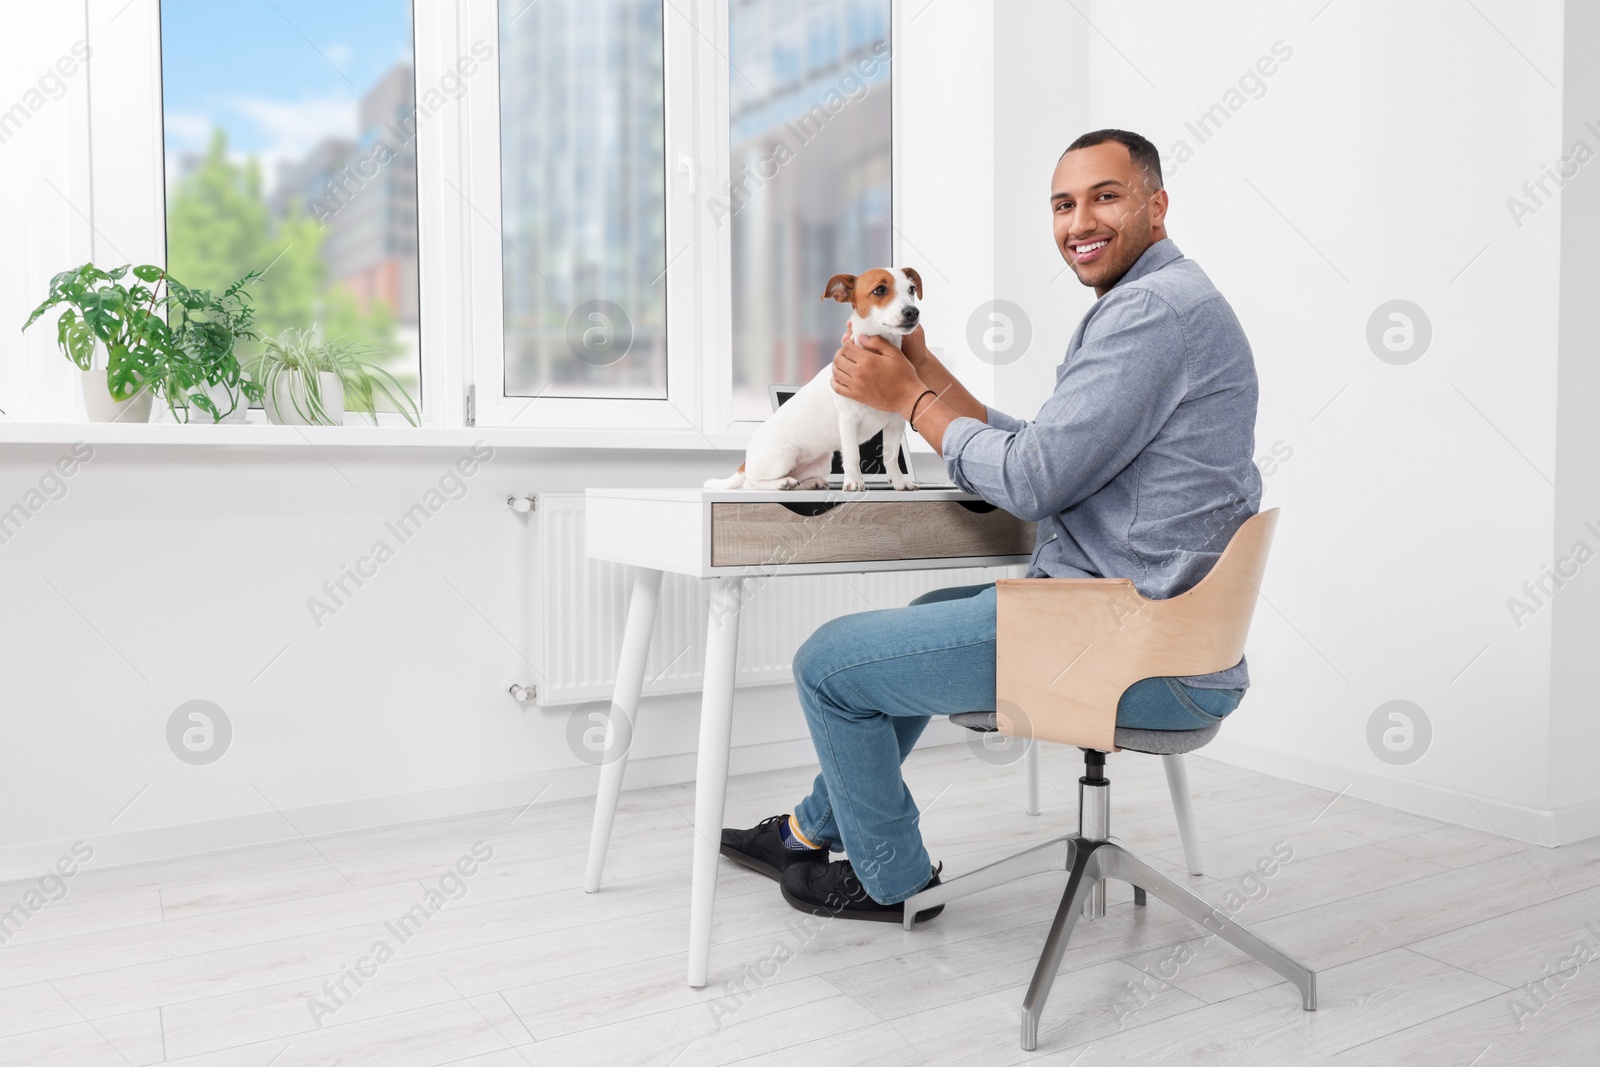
(1088, 863)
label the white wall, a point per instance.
(1574, 735)
(1373, 164)
(944, 178)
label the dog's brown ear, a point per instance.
(916, 279)
(842, 287)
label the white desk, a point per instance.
(732, 536)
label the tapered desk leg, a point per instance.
(624, 705)
(711, 767)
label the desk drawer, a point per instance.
(758, 534)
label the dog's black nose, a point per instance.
(911, 314)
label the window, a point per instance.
(587, 215)
(289, 130)
(808, 86)
(582, 162)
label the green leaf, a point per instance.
(154, 332)
(204, 403)
(78, 344)
(148, 273)
(99, 311)
(122, 373)
(40, 310)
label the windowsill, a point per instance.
(263, 435)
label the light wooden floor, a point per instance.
(1421, 933)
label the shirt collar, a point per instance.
(1151, 260)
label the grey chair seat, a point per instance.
(1153, 742)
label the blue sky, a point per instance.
(277, 76)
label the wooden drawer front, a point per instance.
(767, 534)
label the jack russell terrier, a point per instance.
(794, 448)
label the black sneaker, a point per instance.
(834, 889)
(761, 848)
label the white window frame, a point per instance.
(128, 171)
(480, 137)
(458, 214)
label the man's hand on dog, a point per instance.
(914, 345)
(877, 374)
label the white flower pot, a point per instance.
(287, 399)
(101, 408)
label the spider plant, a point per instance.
(289, 370)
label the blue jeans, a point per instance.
(869, 684)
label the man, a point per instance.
(1138, 466)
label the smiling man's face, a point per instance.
(1105, 213)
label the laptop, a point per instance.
(872, 468)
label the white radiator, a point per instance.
(578, 608)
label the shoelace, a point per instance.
(848, 879)
(851, 885)
(847, 883)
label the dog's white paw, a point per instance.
(905, 485)
(788, 483)
(854, 485)
(814, 483)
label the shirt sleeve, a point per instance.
(1111, 399)
(1000, 420)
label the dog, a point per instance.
(794, 448)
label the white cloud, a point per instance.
(338, 54)
(188, 130)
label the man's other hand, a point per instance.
(913, 345)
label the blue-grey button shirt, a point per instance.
(1141, 463)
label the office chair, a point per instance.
(1065, 651)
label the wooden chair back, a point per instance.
(1067, 648)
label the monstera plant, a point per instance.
(178, 345)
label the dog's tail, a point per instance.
(735, 481)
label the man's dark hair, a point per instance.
(1143, 153)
